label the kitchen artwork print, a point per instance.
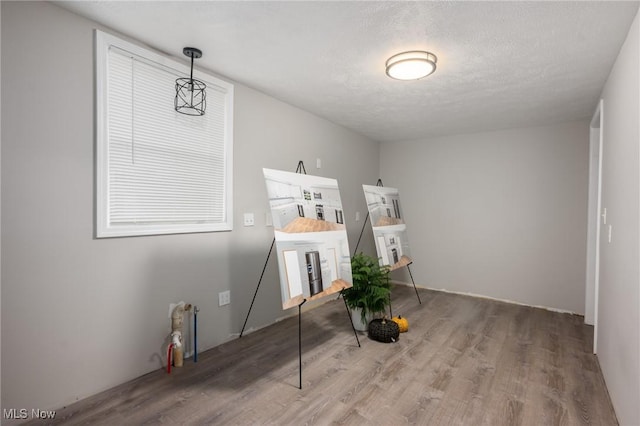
(389, 229)
(311, 238)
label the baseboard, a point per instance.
(480, 296)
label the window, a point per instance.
(158, 171)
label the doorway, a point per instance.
(593, 222)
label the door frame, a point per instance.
(592, 285)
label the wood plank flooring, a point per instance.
(464, 361)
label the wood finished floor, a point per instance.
(464, 361)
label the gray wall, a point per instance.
(499, 214)
(81, 315)
(619, 298)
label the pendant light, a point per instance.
(191, 97)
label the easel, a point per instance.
(379, 183)
(299, 169)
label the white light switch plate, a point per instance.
(224, 298)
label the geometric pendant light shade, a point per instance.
(191, 98)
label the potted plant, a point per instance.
(370, 292)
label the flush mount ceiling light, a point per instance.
(191, 98)
(412, 65)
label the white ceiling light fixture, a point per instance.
(412, 65)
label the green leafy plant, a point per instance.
(371, 287)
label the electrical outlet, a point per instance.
(224, 298)
(249, 219)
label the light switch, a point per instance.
(357, 216)
(224, 298)
(318, 163)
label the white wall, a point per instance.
(499, 214)
(81, 315)
(619, 297)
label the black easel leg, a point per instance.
(351, 320)
(364, 224)
(257, 287)
(300, 340)
(414, 284)
(355, 251)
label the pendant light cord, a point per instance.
(191, 68)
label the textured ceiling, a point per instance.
(500, 64)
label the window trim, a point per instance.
(103, 228)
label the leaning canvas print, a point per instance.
(389, 228)
(311, 238)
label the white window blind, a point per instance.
(159, 171)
